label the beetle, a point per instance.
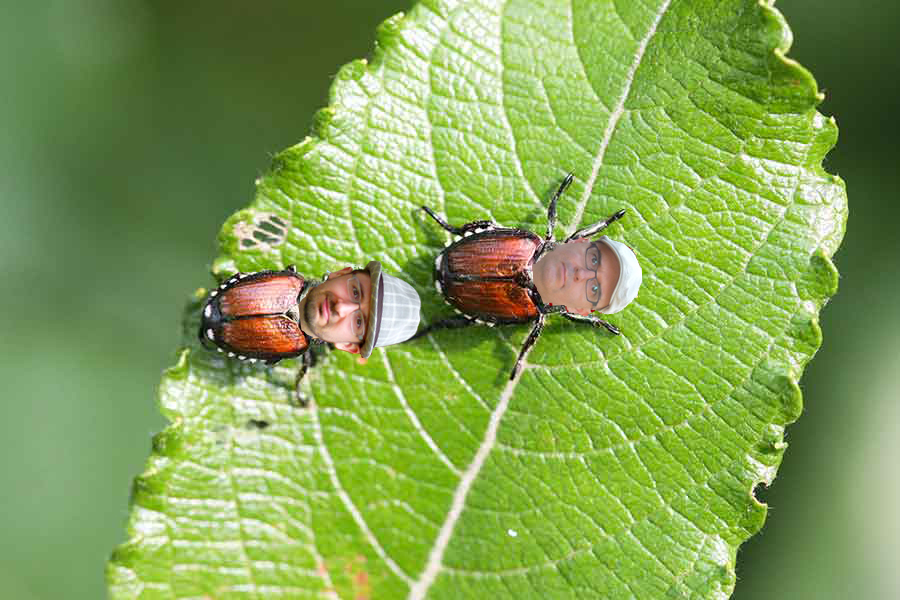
(487, 275)
(254, 317)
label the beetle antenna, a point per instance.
(595, 321)
(551, 210)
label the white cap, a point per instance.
(393, 310)
(630, 277)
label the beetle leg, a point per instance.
(550, 309)
(551, 210)
(468, 227)
(449, 323)
(595, 321)
(529, 342)
(307, 360)
(596, 228)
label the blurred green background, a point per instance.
(131, 130)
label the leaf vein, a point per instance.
(347, 501)
(617, 113)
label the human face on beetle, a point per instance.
(580, 275)
(337, 310)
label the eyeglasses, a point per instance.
(357, 319)
(592, 263)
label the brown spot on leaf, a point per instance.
(359, 578)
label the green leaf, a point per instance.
(613, 467)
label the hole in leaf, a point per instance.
(760, 492)
(265, 231)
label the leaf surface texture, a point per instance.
(612, 467)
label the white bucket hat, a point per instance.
(393, 310)
(630, 277)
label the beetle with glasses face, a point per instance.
(497, 275)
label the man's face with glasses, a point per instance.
(580, 275)
(337, 310)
